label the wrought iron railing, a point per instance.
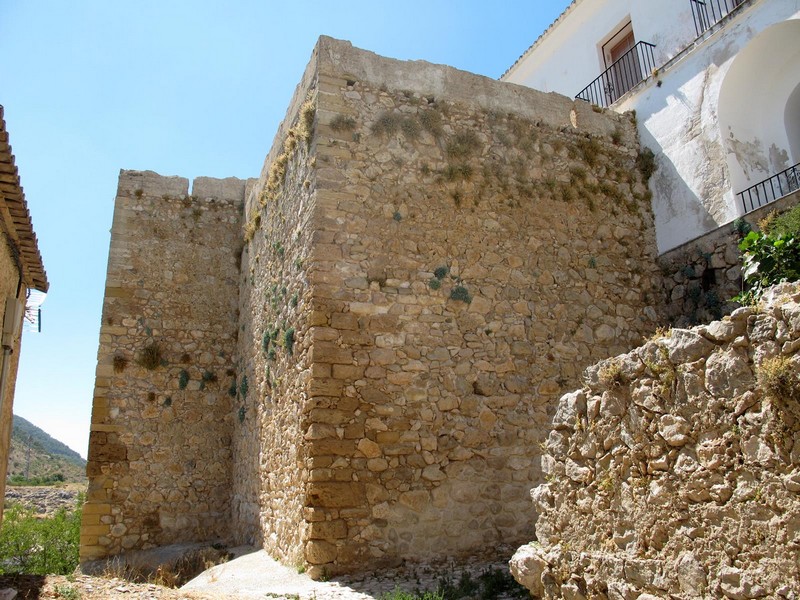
(632, 67)
(771, 189)
(707, 13)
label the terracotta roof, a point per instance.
(16, 218)
(542, 36)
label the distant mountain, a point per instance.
(36, 455)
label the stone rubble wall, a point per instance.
(676, 471)
(475, 245)
(159, 450)
(701, 276)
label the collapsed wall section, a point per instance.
(676, 471)
(159, 450)
(475, 245)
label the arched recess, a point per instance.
(791, 117)
(758, 106)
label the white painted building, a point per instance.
(716, 89)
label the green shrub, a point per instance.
(461, 294)
(46, 480)
(779, 378)
(441, 272)
(183, 379)
(288, 340)
(786, 224)
(646, 163)
(767, 259)
(36, 546)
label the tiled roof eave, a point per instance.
(541, 38)
(17, 217)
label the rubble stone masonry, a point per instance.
(430, 260)
(160, 442)
(675, 471)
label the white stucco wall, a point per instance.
(681, 119)
(569, 57)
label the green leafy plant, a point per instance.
(232, 388)
(441, 272)
(786, 223)
(39, 546)
(435, 284)
(243, 387)
(265, 341)
(741, 226)
(767, 259)
(242, 412)
(67, 592)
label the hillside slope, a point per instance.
(35, 454)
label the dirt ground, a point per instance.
(52, 587)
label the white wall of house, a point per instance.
(721, 117)
(570, 56)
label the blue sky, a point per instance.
(180, 88)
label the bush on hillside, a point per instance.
(39, 546)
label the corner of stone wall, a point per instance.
(159, 457)
(421, 167)
(273, 374)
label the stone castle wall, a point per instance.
(449, 252)
(676, 471)
(430, 259)
(160, 442)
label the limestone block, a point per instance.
(369, 448)
(320, 552)
(527, 566)
(335, 495)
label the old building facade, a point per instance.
(21, 270)
(716, 90)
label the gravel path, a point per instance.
(252, 576)
(257, 576)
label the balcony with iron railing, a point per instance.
(638, 63)
(629, 70)
(707, 13)
(771, 189)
